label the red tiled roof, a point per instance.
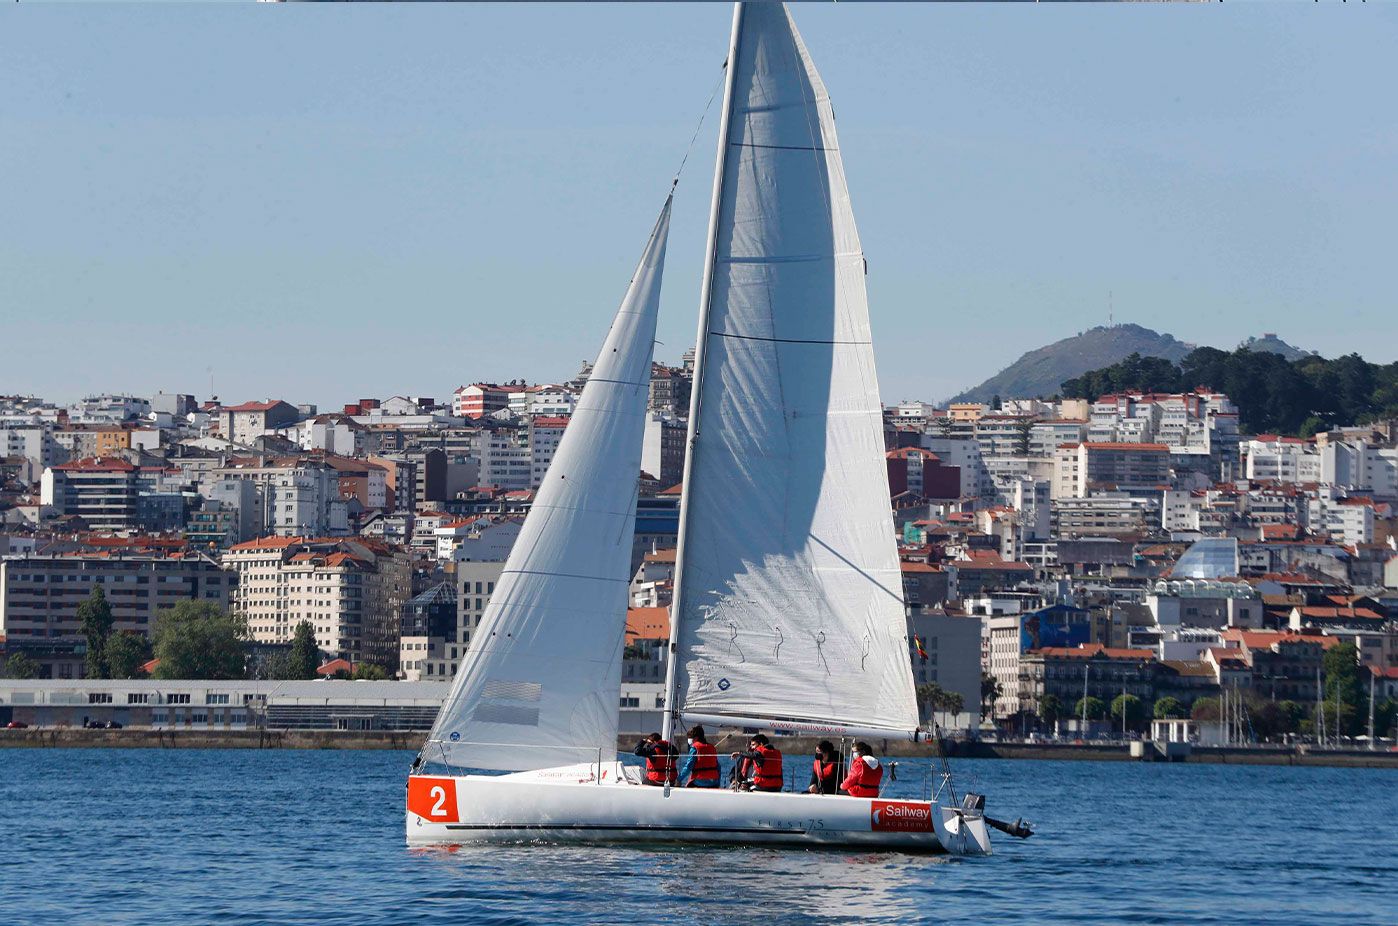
(335, 665)
(253, 406)
(1088, 651)
(1266, 639)
(98, 465)
(266, 543)
(648, 623)
(661, 556)
(1363, 614)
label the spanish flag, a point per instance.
(917, 641)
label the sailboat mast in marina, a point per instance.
(788, 612)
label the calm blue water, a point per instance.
(243, 837)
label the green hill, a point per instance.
(1041, 373)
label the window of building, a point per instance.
(177, 699)
(99, 697)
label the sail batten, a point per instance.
(538, 684)
(789, 593)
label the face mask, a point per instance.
(691, 741)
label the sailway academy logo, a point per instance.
(900, 817)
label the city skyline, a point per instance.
(403, 200)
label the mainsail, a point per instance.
(538, 686)
(789, 603)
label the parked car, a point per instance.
(16, 725)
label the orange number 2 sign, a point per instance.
(433, 799)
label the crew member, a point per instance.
(865, 773)
(764, 765)
(699, 767)
(827, 770)
(660, 760)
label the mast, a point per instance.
(1371, 709)
(696, 389)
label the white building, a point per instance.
(36, 444)
(504, 463)
(1359, 466)
(351, 592)
(545, 433)
(1346, 520)
(488, 540)
(1282, 459)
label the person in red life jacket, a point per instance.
(827, 770)
(699, 767)
(764, 765)
(660, 760)
(865, 773)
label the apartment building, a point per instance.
(1081, 469)
(479, 399)
(35, 443)
(545, 433)
(663, 448)
(351, 591)
(245, 423)
(1271, 458)
(40, 594)
(103, 491)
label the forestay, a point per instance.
(538, 686)
(791, 603)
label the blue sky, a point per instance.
(327, 202)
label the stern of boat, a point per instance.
(961, 830)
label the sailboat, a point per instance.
(788, 611)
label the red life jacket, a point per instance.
(824, 771)
(862, 780)
(705, 766)
(660, 764)
(768, 776)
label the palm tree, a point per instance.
(935, 699)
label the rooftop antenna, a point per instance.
(1111, 311)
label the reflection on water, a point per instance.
(695, 882)
(252, 837)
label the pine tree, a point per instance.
(96, 621)
(304, 657)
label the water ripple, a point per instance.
(268, 837)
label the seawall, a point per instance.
(144, 738)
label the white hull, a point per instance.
(571, 804)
